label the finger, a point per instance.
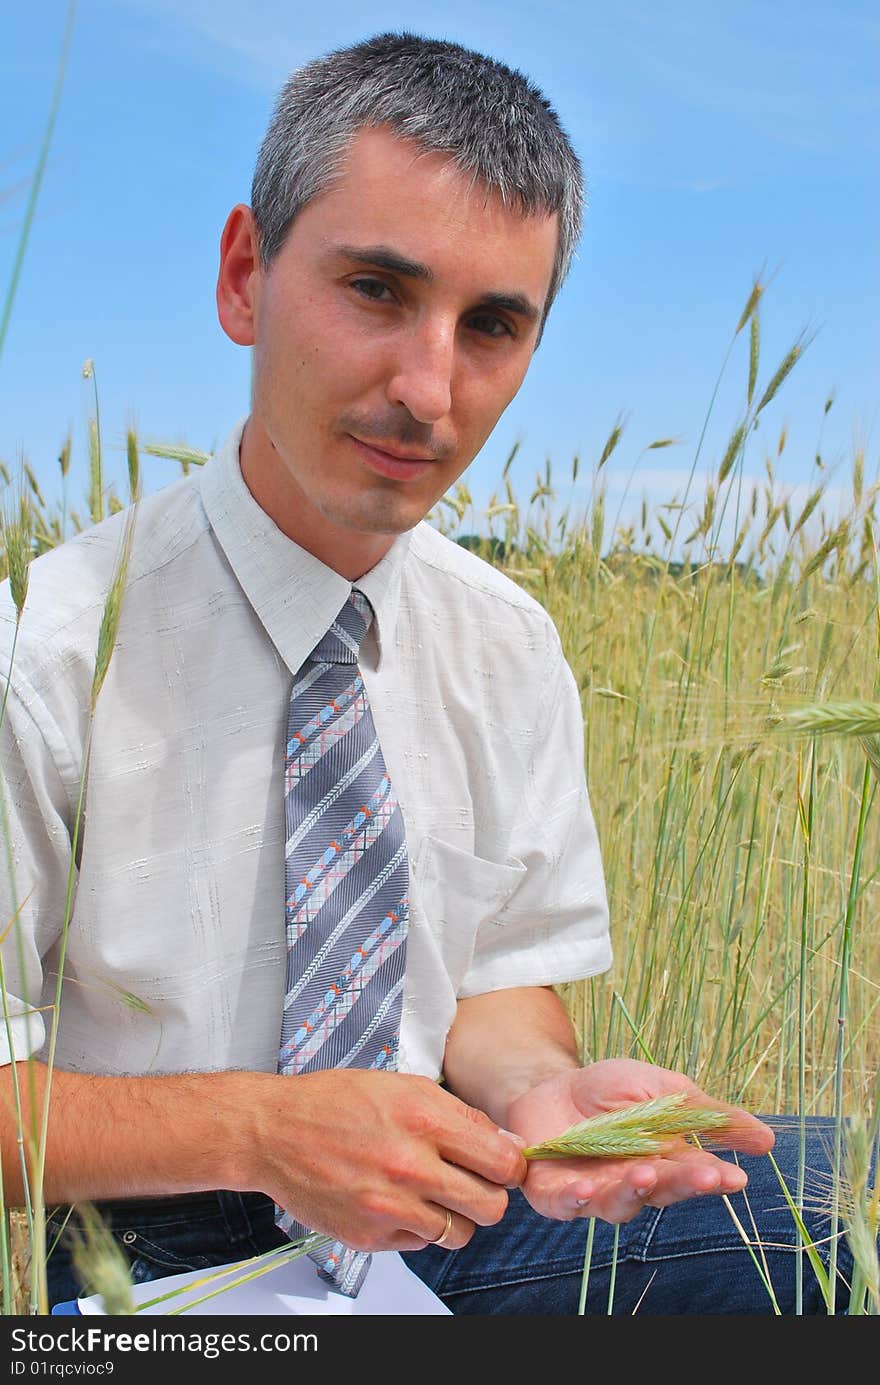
(467, 1193)
(477, 1144)
(692, 1173)
(453, 1227)
(616, 1204)
(562, 1194)
(618, 1190)
(625, 1191)
(445, 1229)
(742, 1131)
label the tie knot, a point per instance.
(342, 642)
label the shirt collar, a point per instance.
(294, 595)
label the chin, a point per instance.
(379, 519)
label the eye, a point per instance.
(490, 326)
(372, 289)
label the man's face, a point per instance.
(390, 332)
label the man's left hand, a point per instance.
(616, 1190)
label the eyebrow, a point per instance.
(383, 257)
(511, 303)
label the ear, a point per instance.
(239, 275)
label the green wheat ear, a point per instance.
(633, 1130)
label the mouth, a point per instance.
(396, 465)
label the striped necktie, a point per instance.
(346, 885)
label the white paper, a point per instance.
(390, 1288)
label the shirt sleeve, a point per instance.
(554, 926)
(35, 853)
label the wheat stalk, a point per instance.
(631, 1131)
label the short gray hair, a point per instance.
(491, 119)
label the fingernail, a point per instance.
(517, 1139)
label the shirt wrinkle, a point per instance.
(69, 780)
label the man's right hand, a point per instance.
(376, 1159)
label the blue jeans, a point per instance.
(689, 1258)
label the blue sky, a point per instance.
(718, 141)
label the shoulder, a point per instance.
(448, 572)
(478, 613)
(68, 585)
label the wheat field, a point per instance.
(732, 750)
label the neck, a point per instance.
(349, 552)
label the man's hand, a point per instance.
(376, 1159)
(372, 1158)
(616, 1190)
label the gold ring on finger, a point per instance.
(444, 1234)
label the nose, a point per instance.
(421, 377)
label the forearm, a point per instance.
(118, 1137)
(504, 1043)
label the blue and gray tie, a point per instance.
(346, 886)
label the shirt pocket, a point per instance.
(457, 893)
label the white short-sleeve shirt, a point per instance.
(174, 954)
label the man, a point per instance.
(415, 209)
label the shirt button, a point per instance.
(128, 1237)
